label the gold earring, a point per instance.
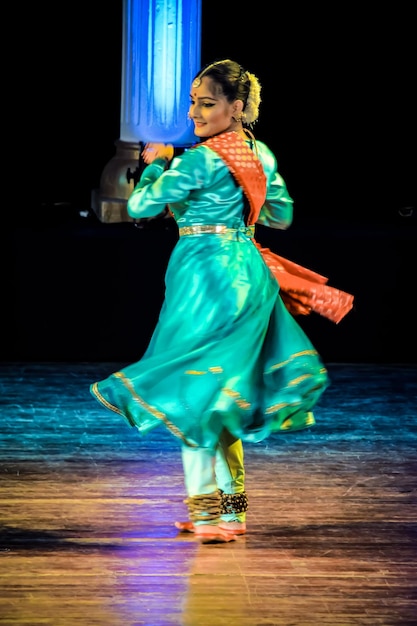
(237, 118)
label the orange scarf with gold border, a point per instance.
(301, 289)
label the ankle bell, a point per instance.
(204, 507)
(233, 503)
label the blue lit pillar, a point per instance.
(160, 56)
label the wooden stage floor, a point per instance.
(87, 509)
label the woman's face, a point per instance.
(210, 111)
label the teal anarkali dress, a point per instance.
(225, 352)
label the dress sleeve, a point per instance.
(277, 211)
(159, 186)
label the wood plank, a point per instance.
(87, 510)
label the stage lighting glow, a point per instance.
(161, 55)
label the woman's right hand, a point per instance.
(154, 151)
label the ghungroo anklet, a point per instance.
(233, 503)
(204, 507)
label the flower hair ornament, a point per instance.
(251, 111)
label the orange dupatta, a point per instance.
(301, 289)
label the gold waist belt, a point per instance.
(217, 229)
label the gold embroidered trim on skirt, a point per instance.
(218, 229)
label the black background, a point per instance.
(337, 95)
(337, 109)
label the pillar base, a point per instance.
(109, 210)
(109, 202)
